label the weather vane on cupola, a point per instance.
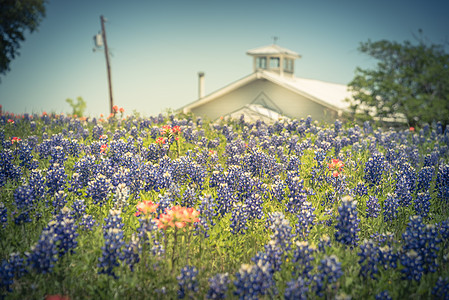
(275, 39)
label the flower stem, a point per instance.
(175, 238)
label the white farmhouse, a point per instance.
(271, 91)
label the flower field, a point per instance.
(173, 207)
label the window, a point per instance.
(288, 65)
(261, 62)
(274, 62)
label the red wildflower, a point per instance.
(176, 130)
(412, 128)
(336, 167)
(160, 141)
(103, 148)
(166, 130)
(146, 207)
(177, 216)
(15, 140)
(10, 121)
(122, 110)
(115, 108)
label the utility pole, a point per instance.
(108, 66)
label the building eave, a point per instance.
(260, 74)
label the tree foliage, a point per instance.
(16, 17)
(411, 80)
(79, 107)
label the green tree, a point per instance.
(79, 107)
(411, 80)
(16, 17)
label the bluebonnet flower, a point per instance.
(121, 196)
(44, 148)
(187, 282)
(382, 238)
(442, 183)
(294, 163)
(425, 176)
(131, 252)
(98, 189)
(25, 155)
(225, 199)
(372, 207)
(329, 271)
(64, 229)
(78, 208)
(86, 222)
(59, 200)
(413, 265)
(8, 170)
(58, 155)
(384, 295)
(296, 289)
(97, 131)
(306, 220)
(239, 218)
(391, 205)
(422, 204)
(443, 228)
(347, 227)
(254, 206)
(24, 200)
(273, 254)
(369, 258)
(85, 169)
(387, 257)
(374, 169)
(253, 281)
(420, 249)
(405, 184)
(218, 286)
(441, 288)
(207, 214)
(113, 243)
(302, 259)
(281, 230)
(360, 189)
(278, 188)
(216, 177)
(324, 243)
(3, 215)
(11, 268)
(36, 181)
(298, 194)
(56, 179)
(44, 253)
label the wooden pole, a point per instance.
(108, 66)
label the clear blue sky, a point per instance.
(158, 47)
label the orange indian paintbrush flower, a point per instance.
(336, 167)
(146, 207)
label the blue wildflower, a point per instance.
(372, 207)
(441, 288)
(218, 286)
(422, 204)
(384, 295)
(391, 205)
(296, 289)
(187, 282)
(329, 271)
(347, 227)
(113, 243)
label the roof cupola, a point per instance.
(274, 58)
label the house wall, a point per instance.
(289, 103)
